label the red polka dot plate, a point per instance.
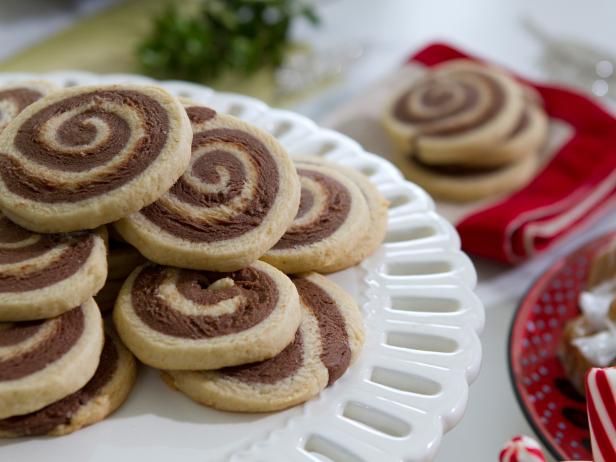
(551, 405)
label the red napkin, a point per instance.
(576, 186)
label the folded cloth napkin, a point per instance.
(576, 185)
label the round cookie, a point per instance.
(325, 230)
(236, 199)
(44, 361)
(86, 156)
(460, 183)
(327, 342)
(44, 275)
(184, 319)
(454, 113)
(102, 395)
(15, 97)
(377, 207)
(524, 140)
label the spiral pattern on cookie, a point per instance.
(377, 206)
(34, 355)
(232, 203)
(185, 319)
(232, 180)
(451, 103)
(331, 213)
(86, 144)
(15, 98)
(326, 344)
(43, 275)
(103, 393)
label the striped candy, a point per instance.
(601, 402)
(521, 449)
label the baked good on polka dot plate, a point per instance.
(562, 329)
(590, 339)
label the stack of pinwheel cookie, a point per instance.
(467, 131)
(194, 230)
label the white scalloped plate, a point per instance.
(410, 384)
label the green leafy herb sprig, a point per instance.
(240, 36)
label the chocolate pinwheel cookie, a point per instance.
(44, 275)
(329, 227)
(527, 136)
(454, 113)
(15, 97)
(103, 394)
(86, 156)
(377, 208)
(467, 131)
(184, 319)
(44, 361)
(327, 342)
(461, 183)
(233, 203)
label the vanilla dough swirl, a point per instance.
(44, 275)
(44, 361)
(235, 200)
(15, 97)
(174, 318)
(454, 113)
(87, 156)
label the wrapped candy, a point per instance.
(521, 449)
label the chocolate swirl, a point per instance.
(450, 103)
(15, 98)
(123, 130)
(61, 412)
(335, 348)
(327, 341)
(252, 292)
(232, 183)
(272, 370)
(47, 341)
(44, 361)
(30, 261)
(233, 202)
(326, 201)
(336, 351)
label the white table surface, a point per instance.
(390, 30)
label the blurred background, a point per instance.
(314, 57)
(354, 43)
